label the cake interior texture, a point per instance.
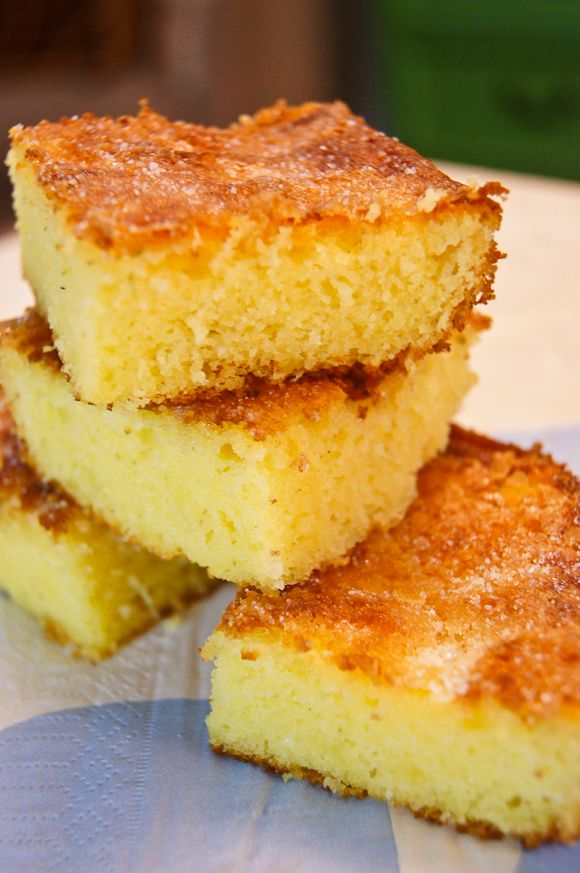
(440, 668)
(90, 589)
(170, 258)
(259, 488)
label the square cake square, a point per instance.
(439, 669)
(170, 258)
(259, 488)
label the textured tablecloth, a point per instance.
(106, 769)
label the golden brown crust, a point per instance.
(261, 407)
(476, 827)
(30, 335)
(474, 595)
(480, 294)
(134, 181)
(18, 481)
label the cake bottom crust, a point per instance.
(484, 830)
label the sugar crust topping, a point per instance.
(140, 180)
(474, 595)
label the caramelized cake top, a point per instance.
(133, 181)
(18, 481)
(261, 407)
(474, 595)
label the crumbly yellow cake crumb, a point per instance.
(261, 487)
(439, 669)
(91, 589)
(169, 258)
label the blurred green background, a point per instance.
(494, 83)
(488, 82)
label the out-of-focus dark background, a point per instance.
(491, 82)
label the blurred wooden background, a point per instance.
(492, 83)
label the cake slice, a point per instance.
(169, 257)
(91, 589)
(262, 487)
(440, 668)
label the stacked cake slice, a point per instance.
(247, 344)
(440, 668)
(92, 589)
(169, 257)
(248, 341)
(259, 488)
